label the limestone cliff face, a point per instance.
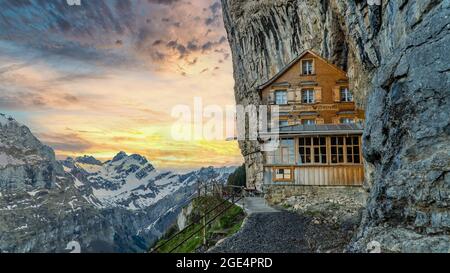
(398, 60)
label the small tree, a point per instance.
(238, 178)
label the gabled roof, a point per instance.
(292, 63)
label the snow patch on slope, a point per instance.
(6, 120)
(90, 168)
(131, 182)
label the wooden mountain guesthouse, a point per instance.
(320, 126)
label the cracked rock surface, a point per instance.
(397, 60)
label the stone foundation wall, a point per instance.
(312, 194)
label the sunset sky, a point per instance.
(104, 77)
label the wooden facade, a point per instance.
(327, 82)
(340, 175)
(320, 126)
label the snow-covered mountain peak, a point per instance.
(25, 163)
(121, 155)
(86, 159)
(132, 182)
(125, 203)
(7, 120)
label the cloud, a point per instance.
(112, 71)
(20, 100)
(70, 98)
(17, 100)
(164, 2)
(210, 45)
(158, 42)
(69, 142)
(117, 33)
(216, 15)
(192, 45)
(215, 8)
(13, 67)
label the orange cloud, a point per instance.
(102, 91)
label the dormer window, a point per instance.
(307, 67)
(281, 97)
(346, 95)
(308, 96)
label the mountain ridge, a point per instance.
(121, 205)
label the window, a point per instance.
(280, 97)
(347, 120)
(312, 150)
(353, 155)
(283, 174)
(346, 95)
(308, 96)
(308, 121)
(307, 67)
(337, 150)
(304, 148)
(285, 153)
(320, 150)
(283, 123)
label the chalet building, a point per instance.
(320, 127)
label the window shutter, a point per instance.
(291, 96)
(318, 94)
(320, 121)
(336, 94)
(271, 98)
(298, 95)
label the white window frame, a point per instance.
(284, 97)
(310, 96)
(346, 95)
(309, 67)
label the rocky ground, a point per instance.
(325, 226)
(337, 211)
(287, 232)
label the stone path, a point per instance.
(253, 205)
(268, 230)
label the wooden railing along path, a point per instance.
(229, 195)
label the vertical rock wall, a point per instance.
(398, 59)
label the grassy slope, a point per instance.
(225, 225)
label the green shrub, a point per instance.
(238, 178)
